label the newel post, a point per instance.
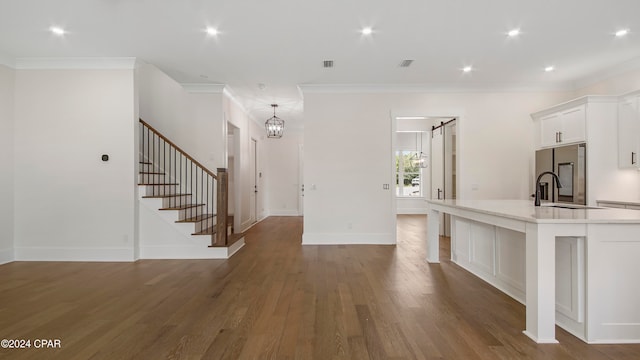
(222, 207)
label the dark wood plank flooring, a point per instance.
(275, 300)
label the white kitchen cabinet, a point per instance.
(564, 126)
(591, 120)
(619, 204)
(629, 131)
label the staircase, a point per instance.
(186, 195)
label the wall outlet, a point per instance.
(385, 186)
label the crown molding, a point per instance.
(80, 63)
(609, 72)
(229, 92)
(576, 102)
(434, 88)
(204, 88)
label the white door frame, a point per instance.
(301, 179)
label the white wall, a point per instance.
(247, 129)
(283, 174)
(616, 85)
(7, 79)
(348, 155)
(69, 204)
(192, 120)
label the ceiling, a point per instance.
(265, 49)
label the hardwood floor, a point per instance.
(275, 300)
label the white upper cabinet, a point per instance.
(629, 131)
(564, 126)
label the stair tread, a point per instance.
(151, 173)
(230, 240)
(182, 207)
(197, 218)
(145, 163)
(164, 196)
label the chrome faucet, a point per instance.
(538, 190)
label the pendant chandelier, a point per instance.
(275, 125)
(420, 160)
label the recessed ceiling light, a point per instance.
(467, 69)
(622, 32)
(367, 31)
(513, 33)
(56, 30)
(549, 68)
(212, 31)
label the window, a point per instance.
(408, 177)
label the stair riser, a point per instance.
(150, 190)
(152, 178)
(201, 225)
(146, 167)
(191, 212)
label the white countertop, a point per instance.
(524, 210)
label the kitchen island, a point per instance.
(579, 268)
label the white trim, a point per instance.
(348, 239)
(73, 254)
(234, 98)
(189, 252)
(80, 63)
(6, 256)
(435, 88)
(412, 211)
(575, 102)
(607, 73)
(204, 88)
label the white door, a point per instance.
(437, 172)
(301, 179)
(254, 181)
(437, 164)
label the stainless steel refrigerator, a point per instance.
(569, 163)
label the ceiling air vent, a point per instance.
(327, 64)
(406, 63)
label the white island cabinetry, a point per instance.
(573, 267)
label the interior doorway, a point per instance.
(443, 167)
(233, 167)
(253, 166)
(301, 179)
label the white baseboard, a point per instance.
(6, 256)
(411, 211)
(190, 252)
(73, 254)
(348, 238)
